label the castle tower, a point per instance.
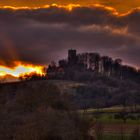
(72, 57)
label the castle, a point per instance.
(84, 63)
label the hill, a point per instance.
(101, 92)
(49, 109)
(38, 110)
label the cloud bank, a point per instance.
(41, 35)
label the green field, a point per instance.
(116, 137)
(114, 109)
(114, 128)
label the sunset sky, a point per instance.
(120, 5)
(38, 31)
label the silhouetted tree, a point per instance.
(117, 67)
(107, 65)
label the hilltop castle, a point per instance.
(82, 63)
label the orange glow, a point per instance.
(21, 69)
(119, 5)
(69, 7)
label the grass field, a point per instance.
(114, 128)
(108, 115)
(116, 137)
(110, 118)
(114, 109)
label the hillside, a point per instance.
(101, 92)
(106, 92)
(32, 109)
(37, 110)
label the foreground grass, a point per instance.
(109, 118)
(116, 137)
(108, 115)
(113, 109)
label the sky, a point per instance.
(44, 32)
(120, 5)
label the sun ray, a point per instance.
(21, 69)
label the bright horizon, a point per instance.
(121, 7)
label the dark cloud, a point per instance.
(53, 14)
(41, 35)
